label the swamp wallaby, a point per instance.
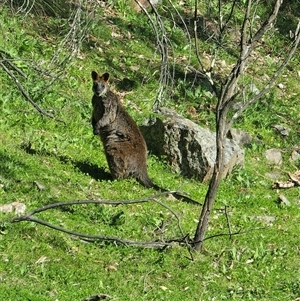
(124, 145)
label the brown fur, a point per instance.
(124, 145)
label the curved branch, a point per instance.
(24, 93)
(93, 238)
(162, 42)
(271, 82)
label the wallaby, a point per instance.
(124, 145)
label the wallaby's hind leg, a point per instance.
(117, 165)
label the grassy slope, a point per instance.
(37, 263)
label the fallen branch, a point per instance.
(22, 90)
(93, 238)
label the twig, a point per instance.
(207, 73)
(271, 82)
(233, 233)
(162, 42)
(145, 280)
(228, 222)
(93, 238)
(27, 97)
(185, 236)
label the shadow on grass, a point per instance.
(94, 171)
(9, 165)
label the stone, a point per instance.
(253, 89)
(295, 156)
(187, 147)
(283, 200)
(16, 207)
(268, 220)
(284, 131)
(240, 137)
(273, 155)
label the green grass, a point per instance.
(39, 263)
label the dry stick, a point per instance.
(27, 97)
(233, 233)
(90, 238)
(145, 280)
(185, 236)
(272, 81)
(225, 100)
(228, 222)
(162, 43)
(97, 201)
(222, 26)
(93, 238)
(206, 73)
(15, 67)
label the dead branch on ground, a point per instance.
(183, 240)
(93, 238)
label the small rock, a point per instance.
(268, 220)
(281, 86)
(253, 89)
(284, 131)
(272, 175)
(295, 156)
(237, 106)
(98, 297)
(274, 156)
(240, 137)
(39, 185)
(18, 208)
(283, 200)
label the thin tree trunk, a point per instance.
(215, 180)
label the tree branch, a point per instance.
(92, 238)
(163, 46)
(24, 93)
(271, 82)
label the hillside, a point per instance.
(48, 154)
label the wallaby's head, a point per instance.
(100, 86)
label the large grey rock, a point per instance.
(188, 148)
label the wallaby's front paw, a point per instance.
(96, 131)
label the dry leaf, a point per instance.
(164, 288)
(111, 267)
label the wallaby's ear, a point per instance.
(94, 75)
(105, 77)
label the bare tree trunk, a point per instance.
(226, 97)
(216, 177)
(232, 87)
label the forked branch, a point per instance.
(21, 88)
(229, 92)
(92, 238)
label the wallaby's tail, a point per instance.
(147, 182)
